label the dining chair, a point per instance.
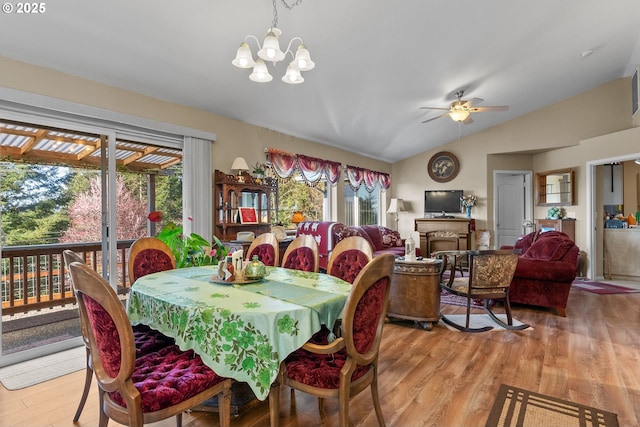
(267, 248)
(345, 367)
(137, 389)
(147, 340)
(302, 254)
(348, 257)
(490, 275)
(149, 255)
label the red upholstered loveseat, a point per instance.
(546, 268)
(328, 233)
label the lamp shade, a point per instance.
(396, 206)
(243, 59)
(260, 72)
(293, 76)
(239, 164)
(459, 115)
(271, 47)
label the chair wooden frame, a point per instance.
(303, 241)
(490, 275)
(265, 239)
(143, 244)
(350, 243)
(69, 257)
(88, 283)
(380, 268)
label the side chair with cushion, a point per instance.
(149, 255)
(147, 340)
(266, 247)
(490, 274)
(348, 257)
(302, 254)
(137, 390)
(345, 367)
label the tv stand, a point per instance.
(431, 227)
(444, 216)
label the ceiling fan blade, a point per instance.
(437, 117)
(434, 108)
(468, 120)
(473, 101)
(489, 108)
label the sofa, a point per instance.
(546, 269)
(328, 233)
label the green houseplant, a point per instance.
(192, 250)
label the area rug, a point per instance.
(515, 407)
(601, 287)
(480, 321)
(35, 371)
(451, 299)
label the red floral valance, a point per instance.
(311, 169)
(357, 176)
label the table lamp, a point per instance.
(396, 206)
(239, 165)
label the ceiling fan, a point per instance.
(460, 110)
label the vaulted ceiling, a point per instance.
(377, 62)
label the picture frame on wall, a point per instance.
(635, 94)
(248, 215)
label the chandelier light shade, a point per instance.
(270, 51)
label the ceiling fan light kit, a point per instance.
(460, 110)
(270, 51)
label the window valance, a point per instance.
(312, 169)
(357, 176)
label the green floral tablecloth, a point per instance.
(240, 331)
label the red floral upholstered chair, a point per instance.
(147, 340)
(348, 257)
(139, 389)
(349, 364)
(149, 255)
(267, 248)
(302, 254)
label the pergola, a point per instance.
(21, 142)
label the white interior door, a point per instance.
(512, 190)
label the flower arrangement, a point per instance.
(468, 201)
(555, 212)
(192, 250)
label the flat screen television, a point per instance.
(442, 202)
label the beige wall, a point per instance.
(234, 138)
(570, 133)
(587, 127)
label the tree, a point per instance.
(32, 202)
(86, 212)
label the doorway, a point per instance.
(595, 214)
(512, 205)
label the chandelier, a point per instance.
(270, 51)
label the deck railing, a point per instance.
(35, 277)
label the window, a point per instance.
(361, 207)
(295, 195)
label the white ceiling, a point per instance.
(377, 62)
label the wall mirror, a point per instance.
(555, 188)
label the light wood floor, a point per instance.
(435, 378)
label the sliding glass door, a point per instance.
(69, 186)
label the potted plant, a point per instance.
(258, 170)
(192, 250)
(555, 212)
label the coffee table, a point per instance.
(415, 291)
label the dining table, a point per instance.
(241, 330)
